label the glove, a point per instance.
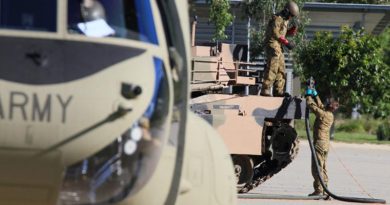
(292, 31)
(315, 93)
(311, 92)
(284, 41)
(308, 92)
(290, 45)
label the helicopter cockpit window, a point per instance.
(130, 19)
(37, 15)
(123, 167)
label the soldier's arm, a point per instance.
(292, 31)
(314, 107)
(277, 24)
(319, 102)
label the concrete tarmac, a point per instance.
(356, 170)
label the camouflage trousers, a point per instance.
(321, 149)
(274, 73)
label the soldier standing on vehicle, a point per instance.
(322, 124)
(275, 37)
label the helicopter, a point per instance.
(94, 107)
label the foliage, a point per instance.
(354, 126)
(371, 125)
(262, 10)
(365, 124)
(357, 138)
(259, 10)
(362, 130)
(256, 38)
(384, 40)
(347, 137)
(350, 68)
(358, 1)
(300, 124)
(383, 132)
(221, 17)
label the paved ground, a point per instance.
(354, 170)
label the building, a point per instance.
(331, 16)
(323, 17)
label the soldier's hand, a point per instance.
(315, 93)
(308, 92)
(292, 31)
(290, 45)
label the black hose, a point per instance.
(278, 196)
(341, 198)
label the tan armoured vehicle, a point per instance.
(257, 130)
(94, 107)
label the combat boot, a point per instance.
(283, 94)
(326, 196)
(265, 92)
(280, 93)
(316, 194)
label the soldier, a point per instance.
(274, 39)
(322, 124)
(92, 10)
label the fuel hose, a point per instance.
(314, 156)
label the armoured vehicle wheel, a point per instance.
(282, 141)
(284, 148)
(243, 168)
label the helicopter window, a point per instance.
(131, 19)
(37, 15)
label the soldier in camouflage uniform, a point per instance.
(274, 39)
(322, 124)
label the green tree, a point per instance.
(358, 1)
(350, 68)
(384, 39)
(221, 17)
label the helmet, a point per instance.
(92, 10)
(292, 8)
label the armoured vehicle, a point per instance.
(257, 130)
(94, 107)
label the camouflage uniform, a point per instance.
(322, 124)
(275, 69)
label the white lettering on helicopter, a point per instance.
(34, 107)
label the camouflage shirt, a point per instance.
(324, 119)
(276, 28)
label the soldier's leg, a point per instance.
(280, 78)
(325, 174)
(316, 183)
(270, 74)
(325, 171)
(320, 156)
